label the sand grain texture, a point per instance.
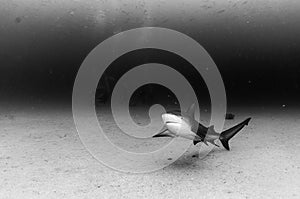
(41, 156)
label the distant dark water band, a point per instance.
(138, 57)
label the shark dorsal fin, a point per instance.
(191, 111)
(212, 128)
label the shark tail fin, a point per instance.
(229, 133)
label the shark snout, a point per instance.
(170, 118)
(177, 125)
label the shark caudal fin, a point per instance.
(229, 133)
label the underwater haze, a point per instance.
(255, 44)
(55, 145)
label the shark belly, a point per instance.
(181, 130)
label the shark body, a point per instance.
(184, 125)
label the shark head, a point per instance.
(178, 124)
(175, 123)
(172, 123)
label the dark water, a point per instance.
(257, 54)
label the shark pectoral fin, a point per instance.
(163, 133)
(197, 139)
(215, 144)
(196, 142)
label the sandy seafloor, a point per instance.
(41, 156)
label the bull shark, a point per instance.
(177, 124)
